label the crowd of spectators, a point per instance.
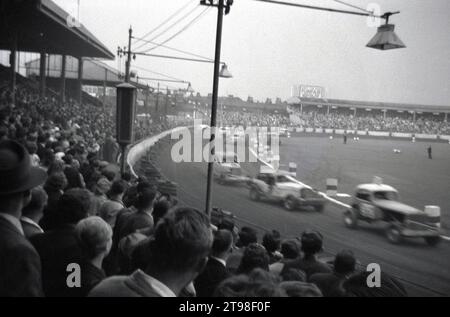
(72, 225)
(369, 121)
(346, 120)
(256, 118)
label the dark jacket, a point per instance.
(309, 266)
(57, 249)
(90, 277)
(330, 284)
(213, 274)
(20, 266)
(29, 229)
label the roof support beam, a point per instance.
(42, 71)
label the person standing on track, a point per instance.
(345, 138)
(430, 152)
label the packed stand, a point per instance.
(73, 225)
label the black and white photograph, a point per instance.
(225, 152)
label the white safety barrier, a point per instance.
(293, 168)
(332, 185)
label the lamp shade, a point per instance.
(386, 39)
(224, 72)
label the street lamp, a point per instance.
(385, 38)
(224, 72)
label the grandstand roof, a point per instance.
(369, 104)
(43, 25)
(94, 71)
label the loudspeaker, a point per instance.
(126, 112)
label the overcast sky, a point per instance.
(269, 47)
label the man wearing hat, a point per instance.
(20, 266)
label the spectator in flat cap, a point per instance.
(20, 265)
(290, 250)
(311, 245)
(246, 236)
(59, 247)
(331, 284)
(95, 239)
(178, 253)
(215, 271)
(33, 212)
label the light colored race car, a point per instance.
(227, 169)
(374, 203)
(283, 188)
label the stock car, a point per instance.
(374, 203)
(227, 170)
(283, 188)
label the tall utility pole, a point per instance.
(128, 62)
(220, 11)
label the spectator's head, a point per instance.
(290, 249)
(247, 236)
(94, 237)
(258, 283)
(17, 177)
(311, 242)
(272, 241)
(55, 167)
(344, 262)
(74, 205)
(182, 243)
(222, 244)
(142, 185)
(117, 189)
(293, 275)
(146, 199)
(56, 182)
(34, 209)
(31, 147)
(110, 175)
(255, 256)
(102, 186)
(300, 289)
(160, 209)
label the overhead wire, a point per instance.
(171, 26)
(186, 27)
(162, 23)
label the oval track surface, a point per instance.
(427, 269)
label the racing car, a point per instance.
(227, 170)
(374, 203)
(281, 187)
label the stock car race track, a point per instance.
(424, 270)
